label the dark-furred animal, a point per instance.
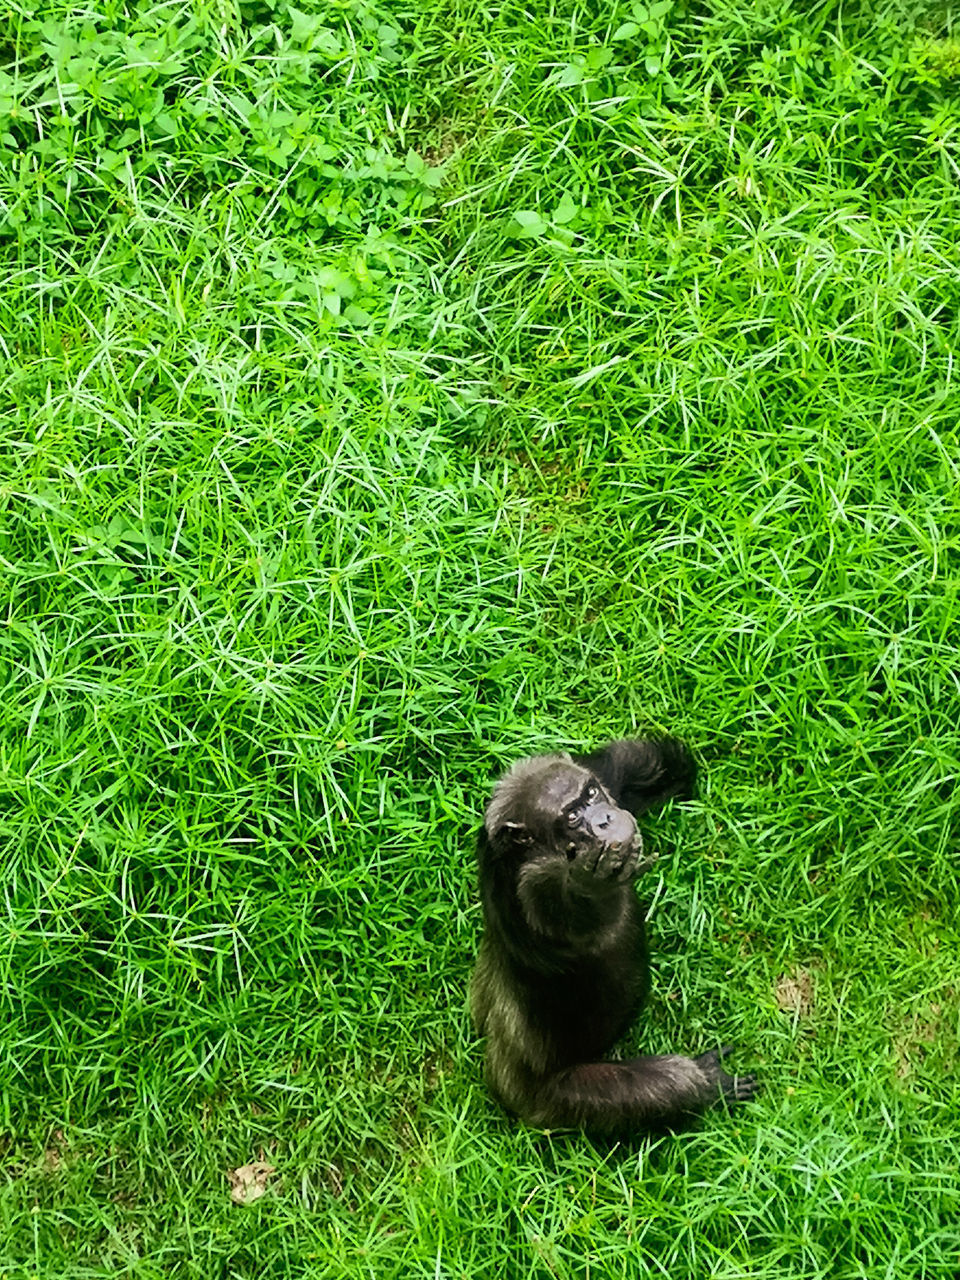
(563, 965)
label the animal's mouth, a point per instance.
(633, 841)
(635, 848)
(634, 844)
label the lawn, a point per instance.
(391, 388)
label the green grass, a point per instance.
(391, 389)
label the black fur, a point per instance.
(563, 965)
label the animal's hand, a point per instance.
(610, 863)
(730, 1088)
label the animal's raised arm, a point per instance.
(643, 773)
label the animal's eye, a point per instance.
(573, 817)
(593, 794)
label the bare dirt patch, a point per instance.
(926, 1044)
(249, 1182)
(795, 994)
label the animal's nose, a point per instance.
(605, 819)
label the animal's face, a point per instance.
(552, 803)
